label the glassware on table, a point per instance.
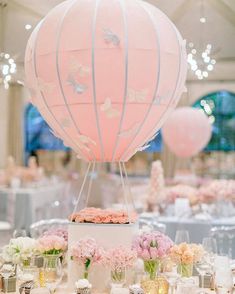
(53, 272)
(19, 233)
(172, 278)
(6, 272)
(182, 236)
(210, 245)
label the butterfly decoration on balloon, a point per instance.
(104, 81)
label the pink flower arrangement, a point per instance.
(119, 258)
(152, 248)
(102, 216)
(217, 190)
(63, 233)
(51, 244)
(87, 252)
(181, 191)
(186, 253)
(152, 245)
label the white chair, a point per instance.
(38, 228)
(6, 231)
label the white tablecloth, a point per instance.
(24, 206)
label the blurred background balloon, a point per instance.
(187, 131)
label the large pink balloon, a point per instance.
(187, 131)
(105, 74)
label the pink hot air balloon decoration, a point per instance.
(187, 131)
(105, 74)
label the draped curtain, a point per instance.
(15, 122)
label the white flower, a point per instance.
(19, 249)
(82, 284)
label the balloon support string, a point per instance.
(127, 195)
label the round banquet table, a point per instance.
(23, 206)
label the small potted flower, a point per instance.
(83, 286)
(119, 259)
(51, 247)
(86, 252)
(185, 256)
(152, 248)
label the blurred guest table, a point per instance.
(197, 228)
(23, 206)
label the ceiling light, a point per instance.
(205, 74)
(213, 61)
(209, 46)
(207, 59)
(194, 51)
(28, 27)
(6, 56)
(190, 45)
(202, 19)
(210, 67)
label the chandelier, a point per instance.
(201, 63)
(7, 69)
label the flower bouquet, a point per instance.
(119, 259)
(86, 252)
(152, 248)
(19, 250)
(185, 255)
(51, 247)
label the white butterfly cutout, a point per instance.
(77, 87)
(65, 122)
(111, 37)
(84, 142)
(142, 148)
(137, 96)
(108, 109)
(76, 67)
(45, 87)
(130, 131)
(163, 98)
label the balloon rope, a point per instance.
(128, 186)
(90, 183)
(124, 192)
(82, 187)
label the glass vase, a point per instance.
(185, 270)
(153, 283)
(118, 277)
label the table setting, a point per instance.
(152, 264)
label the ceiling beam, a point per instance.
(223, 9)
(15, 4)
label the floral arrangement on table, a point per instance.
(152, 248)
(51, 245)
(185, 255)
(217, 190)
(181, 191)
(19, 250)
(87, 252)
(60, 232)
(119, 259)
(103, 216)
